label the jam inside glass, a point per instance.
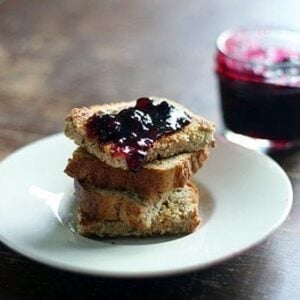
(259, 83)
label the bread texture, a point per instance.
(177, 214)
(197, 135)
(152, 180)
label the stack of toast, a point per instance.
(155, 199)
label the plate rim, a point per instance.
(161, 273)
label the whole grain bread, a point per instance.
(177, 214)
(112, 205)
(197, 135)
(150, 181)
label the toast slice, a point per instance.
(197, 135)
(150, 181)
(177, 214)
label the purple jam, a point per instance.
(259, 80)
(248, 56)
(133, 130)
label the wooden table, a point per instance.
(55, 55)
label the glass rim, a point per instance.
(224, 35)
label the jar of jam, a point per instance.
(259, 82)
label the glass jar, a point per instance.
(259, 83)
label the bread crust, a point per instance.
(150, 181)
(112, 205)
(178, 214)
(197, 135)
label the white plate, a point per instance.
(246, 196)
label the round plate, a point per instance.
(245, 197)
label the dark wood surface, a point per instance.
(55, 55)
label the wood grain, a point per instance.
(55, 55)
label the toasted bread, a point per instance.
(197, 135)
(177, 214)
(150, 181)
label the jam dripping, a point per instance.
(134, 130)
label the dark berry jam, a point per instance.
(261, 110)
(259, 79)
(134, 130)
